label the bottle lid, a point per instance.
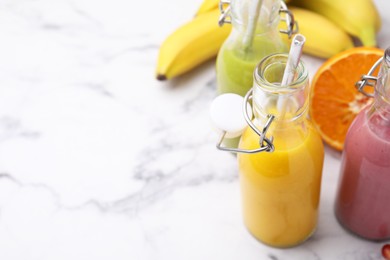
(227, 116)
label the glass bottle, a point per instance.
(362, 203)
(242, 50)
(281, 189)
(246, 46)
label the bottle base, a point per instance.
(282, 246)
(360, 236)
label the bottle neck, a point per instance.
(382, 88)
(289, 104)
(244, 11)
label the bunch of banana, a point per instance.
(326, 24)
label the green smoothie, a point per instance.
(235, 66)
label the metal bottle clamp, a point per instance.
(225, 17)
(368, 80)
(267, 147)
(225, 13)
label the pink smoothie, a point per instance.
(363, 199)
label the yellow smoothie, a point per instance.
(280, 190)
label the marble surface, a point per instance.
(98, 160)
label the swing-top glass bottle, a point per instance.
(362, 203)
(253, 37)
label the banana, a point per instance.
(323, 38)
(207, 6)
(359, 18)
(192, 44)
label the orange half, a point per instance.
(335, 101)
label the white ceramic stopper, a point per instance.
(227, 116)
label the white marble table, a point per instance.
(98, 160)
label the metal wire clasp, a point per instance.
(368, 80)
(225, 16)
(266, 144)
(289, 20)
(292, 25)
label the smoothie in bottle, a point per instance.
(248, 43)
(281, 189)
(254, 35)
(362, 202)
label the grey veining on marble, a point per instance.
(98, 160)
